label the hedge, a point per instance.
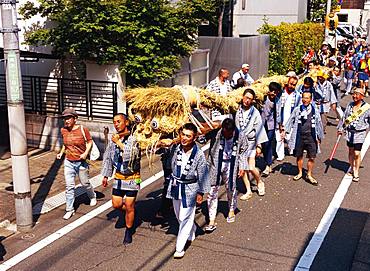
(288, 42)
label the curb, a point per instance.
(7, 228)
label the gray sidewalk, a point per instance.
(46, 176)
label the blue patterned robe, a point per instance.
(198, 172)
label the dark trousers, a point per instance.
(267, 147)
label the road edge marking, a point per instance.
(318, 237)
(70, 227)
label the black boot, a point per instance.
(128, 236)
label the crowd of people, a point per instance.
(292, 120)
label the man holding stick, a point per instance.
(355, 122)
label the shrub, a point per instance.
(288, 43)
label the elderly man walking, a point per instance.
(306, 131)
(244, 74)
(220, 85)
(77, 143)
(289, 99)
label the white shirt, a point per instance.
(228, 149)
(287, 107)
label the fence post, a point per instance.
(87, 87)
(114, 87)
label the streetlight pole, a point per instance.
(16, 117)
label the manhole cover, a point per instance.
(27, 236)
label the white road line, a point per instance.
(70, 227)
(313, 247)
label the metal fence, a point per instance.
(47, 95)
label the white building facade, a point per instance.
(249, 15)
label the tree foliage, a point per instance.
(288, 43)
(317, 9)
(145, 37)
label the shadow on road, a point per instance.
(339, 246)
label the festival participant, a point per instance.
(363, 72)
(355, 122)
(336, 80)
(324, 54)
(248, 121)
(308, 57)
(123, 154)
(306, 131)
(220, 85)
(328, 101)
(308, 86)
(77, 143)
(242, 73)
(223, 161)
(349, 70)
(286, 102)
(269, 121)
(188, 183)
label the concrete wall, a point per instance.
(249, 14)
(231, 53)
(44, 67)
(44, 131)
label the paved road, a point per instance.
(270, 232)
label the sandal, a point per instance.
(312, 180)
(297, 177)
(230, 219)
(246, 196)
(210, 228)
(356, 179)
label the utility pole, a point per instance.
(328, 9)
(16, 117)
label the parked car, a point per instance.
(344, 33)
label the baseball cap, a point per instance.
(245, 66)
(69, 112)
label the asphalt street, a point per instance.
(270, 232)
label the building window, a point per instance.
(343, 18)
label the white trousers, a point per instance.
(212, 198)
(185, 217)
(348, 83)
(279, 145)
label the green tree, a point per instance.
(145, 37)
(317, 9)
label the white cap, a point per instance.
(291, 74)
(245, 66)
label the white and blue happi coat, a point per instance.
(356, 131)
(125, 162)
(186, 183)
(328, 96)
(294, 124)
(215, 158)
(281, 104)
